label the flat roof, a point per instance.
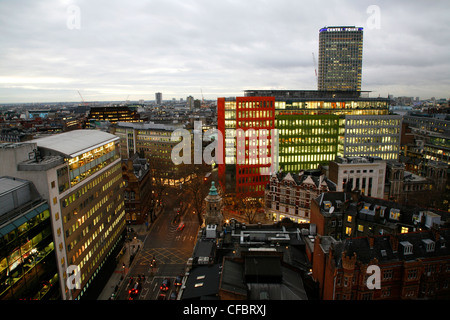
(76, 142)
(8, 184)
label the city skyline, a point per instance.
(108, 51)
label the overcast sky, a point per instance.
(114, 50)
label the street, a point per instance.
(168, 249)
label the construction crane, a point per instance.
(315, 68)
(84, 103)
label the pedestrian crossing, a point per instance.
(163, 256)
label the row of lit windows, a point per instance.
(372, 148)
(256, 124)
(279, 105)
(157, 133)
(373, 131)
(109, 239)
(93, 236)
(296, 122)
(254, 104)
(372, 122)
(89, 156)
(383, 155)
(373, 139)
(78, 175)
(82, 219)
(88, 186)
(305, 149)
(256, 114)
(314, 158)
(309, 131)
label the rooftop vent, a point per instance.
(211, 231)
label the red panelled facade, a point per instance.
(252, 171)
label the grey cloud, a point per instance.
(224, 47)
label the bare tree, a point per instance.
(248, 207)
(161, 172)
(198, 188)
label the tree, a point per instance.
(161, 172)
(198, 188)
(249, 207)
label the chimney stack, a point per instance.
(394, 242)
(371, 241)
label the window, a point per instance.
(386, 292)
(407, 247)
(349, 218)
(429, 245)
(387, 274)
(412, 274)
(360, 228)
(348, 231)
(395, 214)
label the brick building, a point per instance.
(412, 266)
(289, 195)
(343, 215)
(136, 175)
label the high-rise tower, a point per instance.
(158, 98)
(340, 58)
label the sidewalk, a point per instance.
(120, 273)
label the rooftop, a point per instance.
(312, 94)
(76, 142)
(203, 283)
(425, 244)
(151, 126)
(16, 195)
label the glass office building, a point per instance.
(27, 253)
(310, 128)
(79, 173)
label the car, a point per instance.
(165, 285)
(181, 226)
(161, 296)
(133, 292)
(173, 296)
(178, 281)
